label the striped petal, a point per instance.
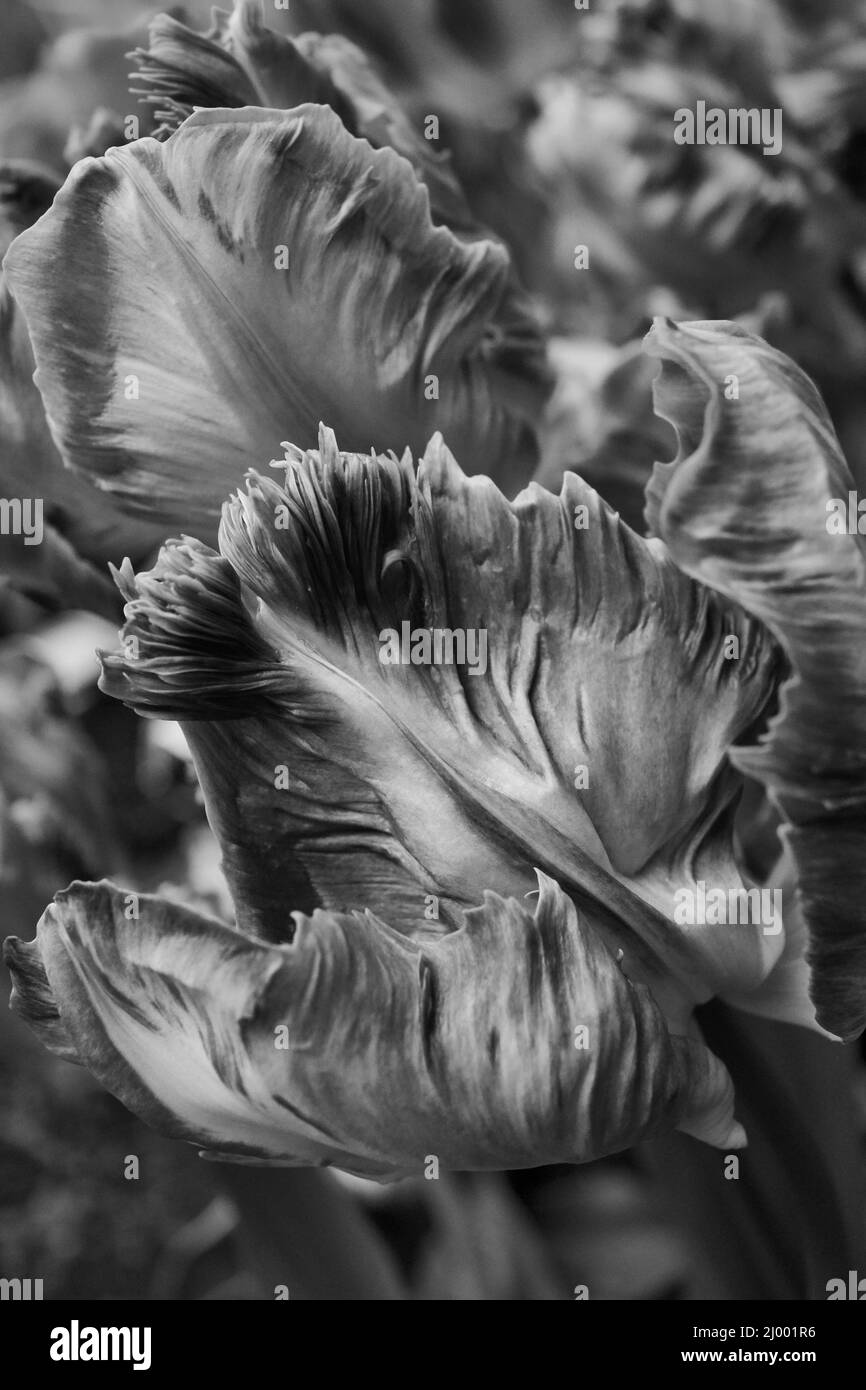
(757, 504)
(230, 286)
(352, 1046)
(241, 62)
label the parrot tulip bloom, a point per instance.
(455, 889)
(542, 1012)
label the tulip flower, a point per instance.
(455, 933)
(456, 878)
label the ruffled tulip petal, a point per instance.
(335, 778)
(751, 507)
(176, 319)
(241, 62)
(352, 1046)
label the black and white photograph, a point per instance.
(433, 669)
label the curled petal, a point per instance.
(232, 285)
(352, 1046)
(241, 62)
(748, 507)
